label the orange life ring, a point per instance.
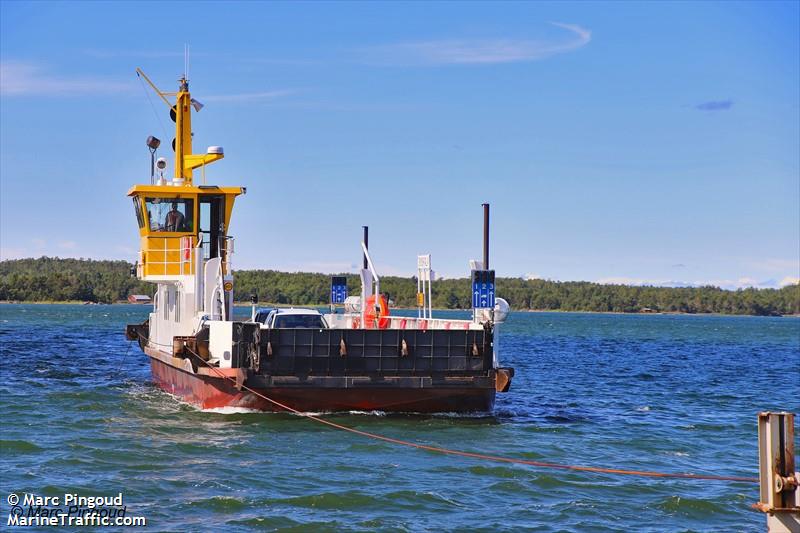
(371, 318)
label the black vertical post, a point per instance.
(485, 236)
(366, 245)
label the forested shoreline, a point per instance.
(53, 280)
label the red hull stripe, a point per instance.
(209, 392)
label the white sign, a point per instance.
(424, 261)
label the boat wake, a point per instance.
(229, 410)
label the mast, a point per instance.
(486, 236)
(183, 132)
(181, 113)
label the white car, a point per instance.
(293, 318)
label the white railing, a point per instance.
(354, 321)
(226, 252)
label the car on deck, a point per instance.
(291, 318)
(261, 314)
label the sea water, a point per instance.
(669, 393)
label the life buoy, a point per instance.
(356, 323)
(186, 244)
(373, 318)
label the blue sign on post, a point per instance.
(483, 289)
(338, 289)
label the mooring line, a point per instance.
(474, 455)
(119, 368)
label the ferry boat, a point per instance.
(359, 358)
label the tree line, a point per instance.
(54, 279)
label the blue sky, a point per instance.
(628, 142)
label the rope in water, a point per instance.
(119, 368)
(473, 455)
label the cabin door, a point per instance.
(211, 226)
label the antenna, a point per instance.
(186, 62)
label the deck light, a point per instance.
(196, 105)
(153, 144)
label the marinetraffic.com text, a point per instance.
(70, 510)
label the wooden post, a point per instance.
(778, 481)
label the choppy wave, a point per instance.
(689, 506)
(18, 447)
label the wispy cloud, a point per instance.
(728, 284)
(789, 280)
(483, 51)
(715, 105)
(248, 97)
(21, 78)
(623, 280)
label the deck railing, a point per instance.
(173, 256)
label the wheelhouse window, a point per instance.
(170, 214)
(137, 206)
